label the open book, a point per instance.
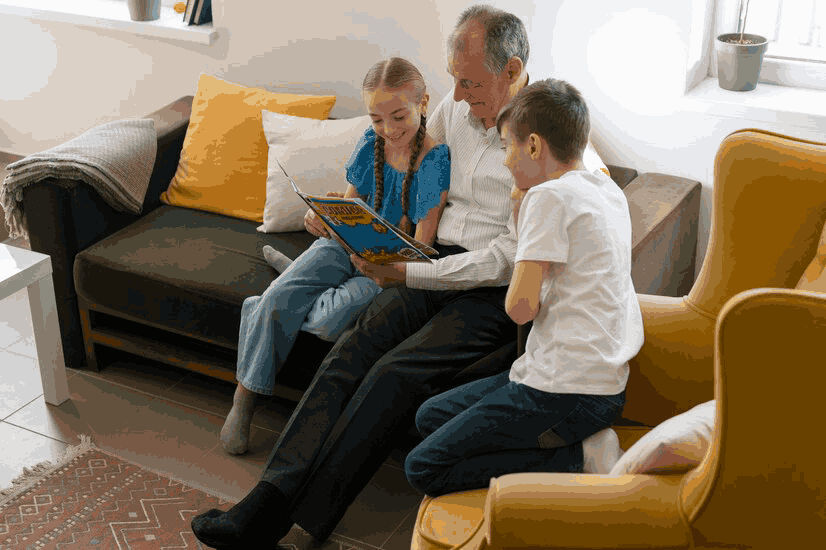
(362, 231)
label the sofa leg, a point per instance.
(86, 323)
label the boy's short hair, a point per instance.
(555, 111)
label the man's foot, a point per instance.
(601, 452)
(276, 259)
(235, 434)
(252, 523)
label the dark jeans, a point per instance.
(406, 347)
(493, 427)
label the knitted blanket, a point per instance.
(116, 159)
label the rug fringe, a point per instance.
(31, 476)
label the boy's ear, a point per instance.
(534, 144)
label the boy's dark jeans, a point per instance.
(493, 427)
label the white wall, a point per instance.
(629, 57)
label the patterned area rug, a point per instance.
(94, 500)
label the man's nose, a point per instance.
(459, 93)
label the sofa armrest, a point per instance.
(664, 215)
(65, 217)
(585, 511)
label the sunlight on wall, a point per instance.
(14, 32)
(632, 58)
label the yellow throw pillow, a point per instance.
(814, 278)
(223, 165)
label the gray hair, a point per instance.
(505, 36)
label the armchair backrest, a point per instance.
(769, 210)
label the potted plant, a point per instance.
(739, 58)
(144, 10)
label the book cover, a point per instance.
(204, 12)
(362, 231)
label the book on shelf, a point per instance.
(189, 13)
(204, 12)
(362, 231)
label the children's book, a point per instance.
(362, 231)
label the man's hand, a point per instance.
(386, 276)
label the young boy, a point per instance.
(572, 278)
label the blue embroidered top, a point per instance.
(432, 177)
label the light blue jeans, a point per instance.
(321, 292)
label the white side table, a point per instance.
(21, 269)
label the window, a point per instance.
(796, 30)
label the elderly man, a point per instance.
(436, 320)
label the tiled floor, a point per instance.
(168, 420)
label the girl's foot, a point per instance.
(235, 434)
(276, 259)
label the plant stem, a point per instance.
(743, 28)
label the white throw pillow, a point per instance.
(313, 152)
(679, 443)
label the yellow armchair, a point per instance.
(742, 336)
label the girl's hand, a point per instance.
(314, 225)
(335, 194)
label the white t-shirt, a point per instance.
(589, 322)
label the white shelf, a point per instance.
(108, 14)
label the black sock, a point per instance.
(248, 522)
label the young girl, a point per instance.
(398, 169)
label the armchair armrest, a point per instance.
(64, 218)
(585, 511)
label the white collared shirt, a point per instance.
(478, 215)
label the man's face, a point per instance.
(486, 93)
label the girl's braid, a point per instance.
(405, 224)
(378, 171)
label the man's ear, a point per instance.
(514, 68)
(534, 144)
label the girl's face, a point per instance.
(395, 114)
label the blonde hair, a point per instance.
(390, 74)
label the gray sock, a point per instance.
(276, 259)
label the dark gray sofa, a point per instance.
(168, 285)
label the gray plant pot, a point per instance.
(144, 10)
(738, 65)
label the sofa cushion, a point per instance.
(313, 152)
(223, 164)
(183, 270)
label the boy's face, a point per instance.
(518, 159)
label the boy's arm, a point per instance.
(426, 228)
(522, 302)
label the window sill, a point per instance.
(104, 14)
(769, 103)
